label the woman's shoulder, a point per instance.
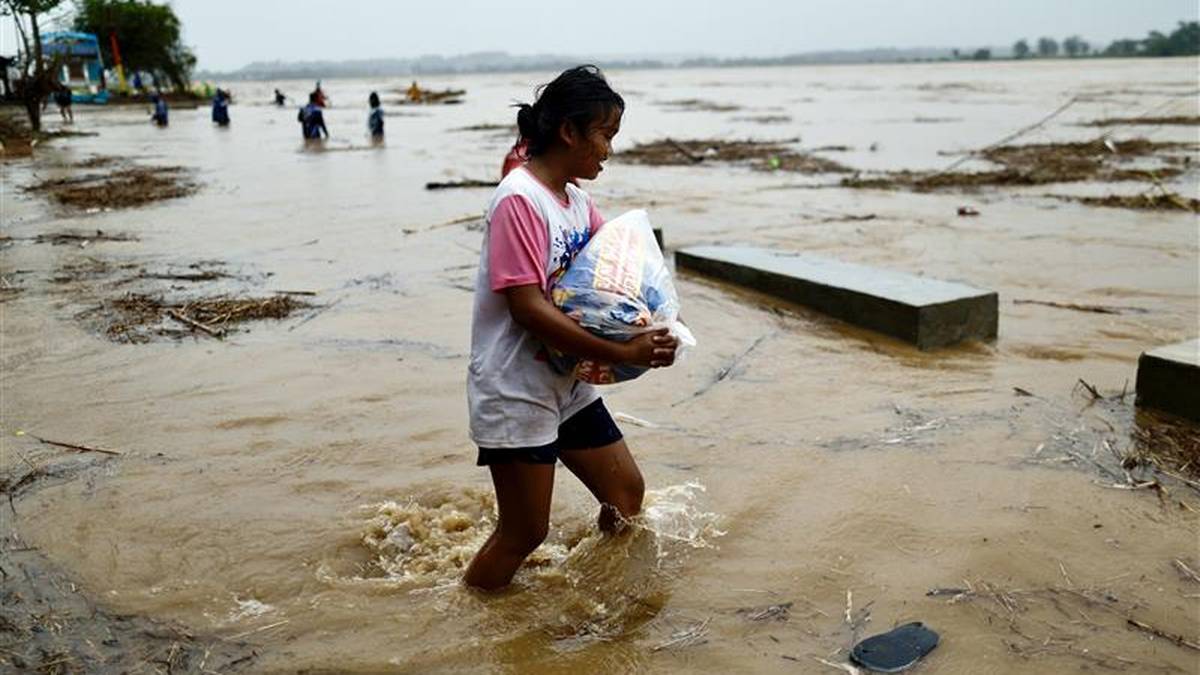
(517, 183)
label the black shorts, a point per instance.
(591, 427)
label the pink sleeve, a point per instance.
(518, 244)
(595, 220)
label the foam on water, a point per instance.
(428, 540)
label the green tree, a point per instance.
(36, 80)
(149, 37)
(1020, 50)
(1122, 48)
(1047, 47)
(982, 55)
(1183, 41)
(1074, 46)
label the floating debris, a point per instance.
(1173, 120)
(123, 188)
(761, 155)
(137, 317)
(698, 105)
(1044, 163)
(765, 119)
(507, 128)
(1147, 201)
(470, 183)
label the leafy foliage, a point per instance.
(149, 36)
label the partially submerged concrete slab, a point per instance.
(925, 312)
(1168, 378)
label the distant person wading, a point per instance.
(159, 116)
(312, 120)
(220, 108)
(375, 118)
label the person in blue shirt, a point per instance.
(160, 110)
(312, 121)
(220, 108)
(375, 119)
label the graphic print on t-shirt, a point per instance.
(567, 244)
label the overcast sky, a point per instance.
(227, 34)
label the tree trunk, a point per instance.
(33, 107)
(35, 94)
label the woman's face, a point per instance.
(593, 148)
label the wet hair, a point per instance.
(373, 100)
(579, 95)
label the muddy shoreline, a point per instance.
(50, 624)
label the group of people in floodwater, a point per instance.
(311, 116)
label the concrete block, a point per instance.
(1168, 378)
(925, 312)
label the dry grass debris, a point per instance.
(123, 188)
(1147, 201)
(699, 105)
(138, 317)
(1172, 120)
(1099, 160)
(760, 155)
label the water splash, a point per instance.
(428, 540)
(673, 516)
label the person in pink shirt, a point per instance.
(524, 415)
(517, 155)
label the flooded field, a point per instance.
(298, 491)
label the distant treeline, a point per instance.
(489, 62)
(1183, 41)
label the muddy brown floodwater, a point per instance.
(299, 493)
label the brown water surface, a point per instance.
(308, 484)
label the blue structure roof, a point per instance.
(70, 42)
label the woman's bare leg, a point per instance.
(613, 477)
(523, 493)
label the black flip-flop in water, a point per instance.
(895, 650)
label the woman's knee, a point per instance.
(628, 499)
(523, 538)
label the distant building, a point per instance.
(83, 68)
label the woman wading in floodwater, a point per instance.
(525, 417)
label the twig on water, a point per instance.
(1186, 571)
(1158, 632)
(840, 666)
(1011, 137)
(1094, 309)
(257, 630)
(694, 634)
(728, 370)
(218, 333)
(1063, 568)
(1090, 389)
(448, 223)
(684, 151)
(74, 446)
(315, 313)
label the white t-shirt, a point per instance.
(514, 397)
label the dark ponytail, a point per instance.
(579, 95)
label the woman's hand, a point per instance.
(653, 349)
